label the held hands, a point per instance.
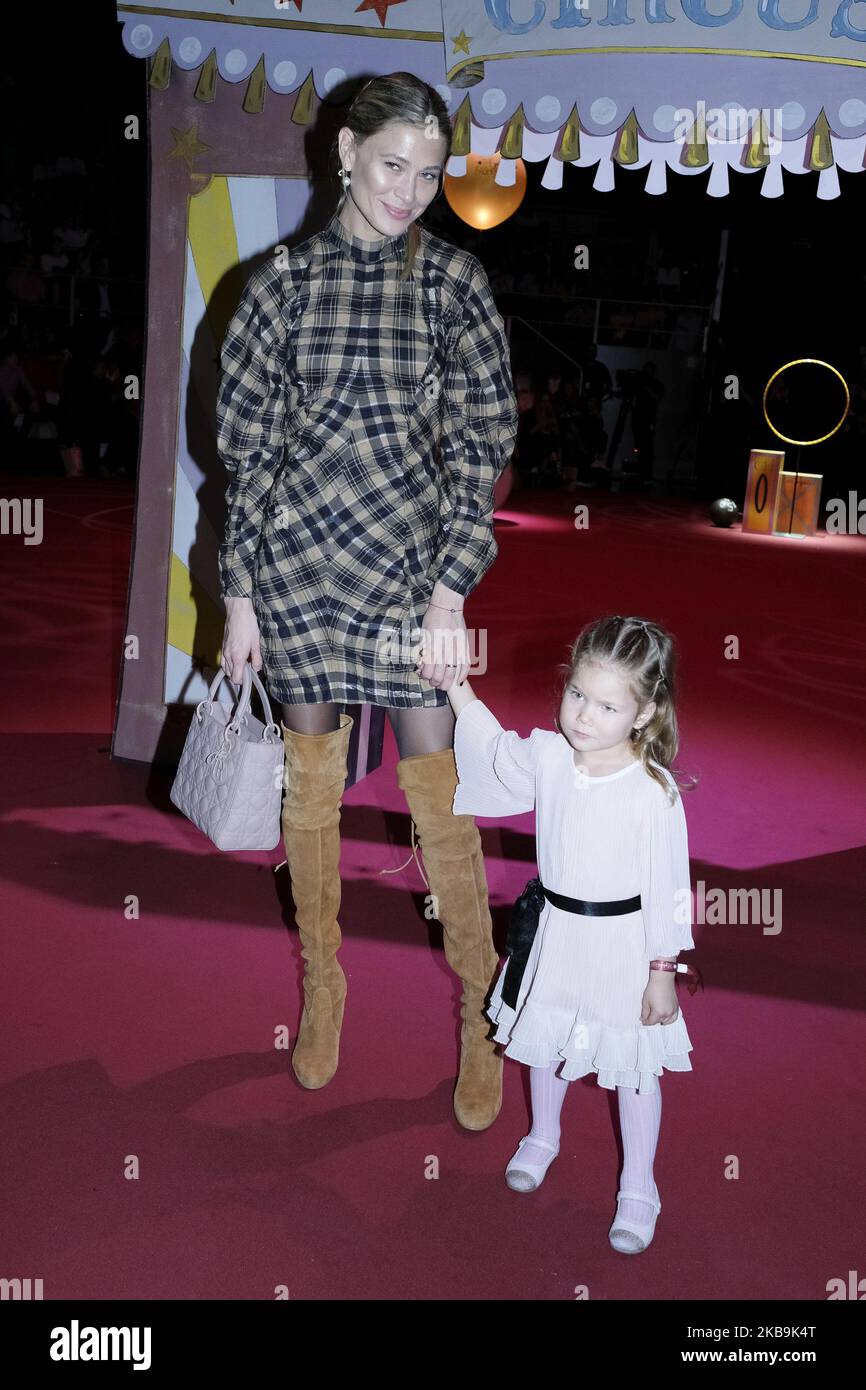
(241, 642)
(444, 659)
(659, 1002)
(444, 654)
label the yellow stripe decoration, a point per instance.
(469, 75)
(601, 50)
(821, 145)
(195, 621)
(271, 21)
(214, 246)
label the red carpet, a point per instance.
(153, 1039)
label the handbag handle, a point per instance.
(250, 678)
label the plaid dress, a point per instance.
(363, 423)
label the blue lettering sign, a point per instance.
(697, 10)
(569, 17)
(617, 13)
(842, 28)
(499, 13)
(768, 11)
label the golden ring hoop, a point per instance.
(803, 362)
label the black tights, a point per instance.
(425, 730)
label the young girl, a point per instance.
(597, 989)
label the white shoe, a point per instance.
(523, 1176)
(627, 1236)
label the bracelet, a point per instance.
(444, 607)
(692, 974)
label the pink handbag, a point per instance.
(229, 779)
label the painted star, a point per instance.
(380, 6)
(462, 42)
(187, 144)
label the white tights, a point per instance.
(639, 1120)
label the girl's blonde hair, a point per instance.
(397, 96)
(644, 653)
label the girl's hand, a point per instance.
(659, 1003)
(444, 659)
(460, 696)
(241, 641)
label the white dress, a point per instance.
(600, 839)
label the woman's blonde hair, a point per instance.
(397, 96)
(644, 653)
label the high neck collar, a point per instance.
(361, 250)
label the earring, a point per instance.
(345, 177)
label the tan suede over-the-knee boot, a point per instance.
(451, 846)
(315, 776)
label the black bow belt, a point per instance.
(523, 925)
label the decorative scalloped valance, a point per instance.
(680, 85)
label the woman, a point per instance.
(353, 535)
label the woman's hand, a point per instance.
(659, 1003)
(444, 657)
(241, 642)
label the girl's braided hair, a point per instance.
(644, 653)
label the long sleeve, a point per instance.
(495, 767)
(479, 425)
(666, 902)
(250, 423)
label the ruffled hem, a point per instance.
(620, 1056)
